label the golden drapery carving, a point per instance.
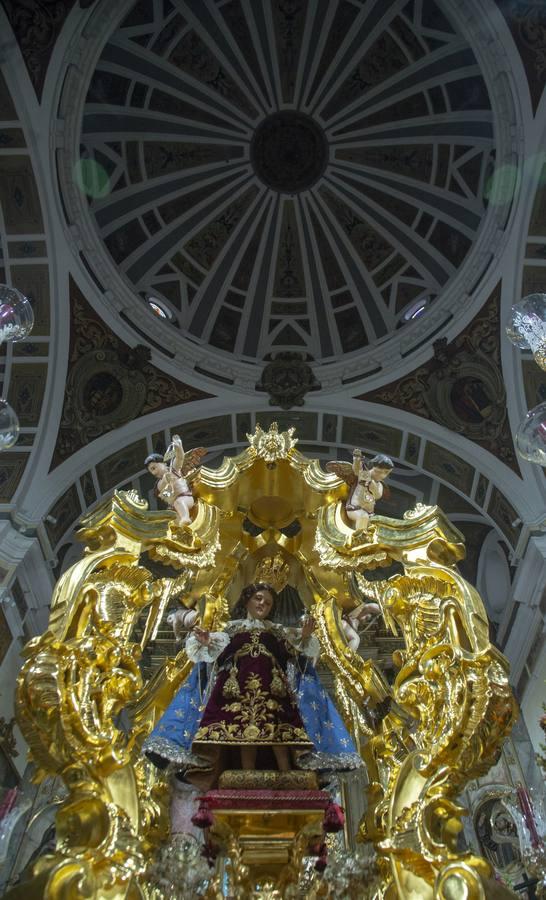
(85, 710)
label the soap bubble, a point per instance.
(16, 315)
(9, 426)
(531, 436)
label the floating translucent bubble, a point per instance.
(501, 186)
(531, 436)
(16, 315)
(92, 178)
(9, 426)
(526, 327)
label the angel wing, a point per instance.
(192, 459)
(343, 470)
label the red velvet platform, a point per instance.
(265, 800)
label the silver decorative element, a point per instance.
(353, 874)
(16, 315)
(526, 327)
(179, 870)
(531, 436)
(16, 323)
(9, 426)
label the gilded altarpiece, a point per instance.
(85, 708)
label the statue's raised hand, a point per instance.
(202, 635)
(308, 627)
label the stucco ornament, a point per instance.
(287, 379)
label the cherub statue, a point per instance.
(171, 471)
(181, 621)
(352, 621)
(365, 482)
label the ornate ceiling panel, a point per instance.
(108, 383)
(36, 27)
(288, 176)
(461, 387)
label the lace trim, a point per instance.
(174, 754)
(309, 647)
(198, 652)
(180, 759)
(234, 626)
(336, 761)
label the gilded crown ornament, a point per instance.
(274, 570)
(272, 445)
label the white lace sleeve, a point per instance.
(309, 647)
(198, 652)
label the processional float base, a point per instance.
(264, 824)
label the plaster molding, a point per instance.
(520, 639)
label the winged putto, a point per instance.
(365, 481)
(174, 471)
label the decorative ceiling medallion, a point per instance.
(101, 391)
(466, 392)
(108, 383)
(287, 379)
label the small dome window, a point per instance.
(159, 308)
(416, 309)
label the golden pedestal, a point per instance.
(262, 827)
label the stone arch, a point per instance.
(25, 240)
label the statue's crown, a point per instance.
(274, 570)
